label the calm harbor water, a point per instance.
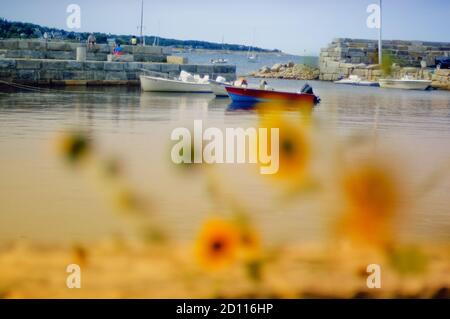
(41, 199)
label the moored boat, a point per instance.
(252, 58)
(218, 88)
(248, 95)
(186, 83)
(405, 83)
(218, 85)
(219, 61)
(357, 81)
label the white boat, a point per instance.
(356, 80)
(218, 86)
(405, 83)
(252, 58)
(185, 83)
(219, 61)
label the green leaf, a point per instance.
(408, 260)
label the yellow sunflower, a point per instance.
(304, 109)
(294, 147)
(372, 199)
(126, 200)
(217, 245)
(73, 146)
(249, 243)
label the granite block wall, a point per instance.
(359, 56)
(36, 71)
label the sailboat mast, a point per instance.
(142, 23)
(251, 45)
(159, 32)
(380, 44)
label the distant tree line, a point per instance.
(11, 29)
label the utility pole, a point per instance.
(142, 23)
(380, 45)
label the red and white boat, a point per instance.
(247, 95)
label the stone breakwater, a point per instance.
(403, 53)
(66, 72)
(440, 78)
(61, 50)
(287, 71)
(54, 63)
(344, 57)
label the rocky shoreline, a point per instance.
(288, 70)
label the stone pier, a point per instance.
(344, 57)
(39, 62)
(62, 50)
(66, 72)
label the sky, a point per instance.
(293, 26)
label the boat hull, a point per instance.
(218, 89)
(154, 84)
(220, 62)
(245, 95)
(405, 84)
(358, 83)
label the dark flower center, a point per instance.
(288, 146)
(217, 245)
(77, 148)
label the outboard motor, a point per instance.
(307, 89)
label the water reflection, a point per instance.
(241, 106)
(137, 127)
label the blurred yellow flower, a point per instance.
(372, 201)
(217, 244)
(79, 255)
(111, 167)
(408, 260)
(249, 243)
(126, 200)
(304, 109)
(73, 146)
(294, 147)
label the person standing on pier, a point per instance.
(117, 50)
(91, 41)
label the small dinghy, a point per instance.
(186, 83)
(247, 95)
(405, 83)
(357, 81)
(218, 86)
(253, 58)
(219, 61)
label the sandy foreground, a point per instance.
(117, 270)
